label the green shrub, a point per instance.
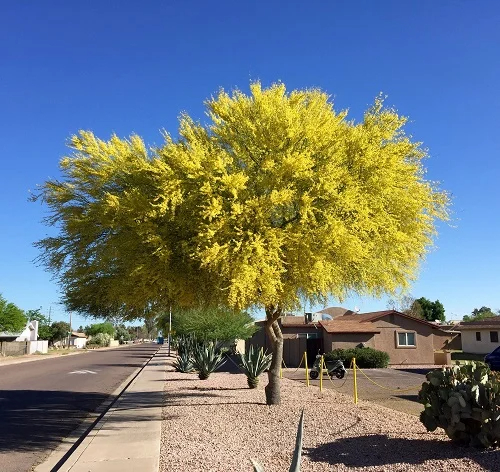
(253, 363)
(464, 400)
(207, 358)
(100, 339)
(366, 357)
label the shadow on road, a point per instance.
(380, 450)
(32, 420)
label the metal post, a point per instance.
(355, 383)
(321, 374)
(307, 370)
(169, 328)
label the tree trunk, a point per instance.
(273, 388)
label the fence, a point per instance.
(13, 348)
(352, 368)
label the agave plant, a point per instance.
(207, 358)
(186, 345)
(297, 453)
(254, 363)
(184, 362)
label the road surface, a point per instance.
(42, 402)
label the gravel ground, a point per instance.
(217, 425)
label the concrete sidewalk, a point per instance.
(128, 436)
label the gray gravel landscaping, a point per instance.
(218, 424)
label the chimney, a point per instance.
(308, 317)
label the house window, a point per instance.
(406, 340)
(478, 335)
(308, 335)
(494, 336)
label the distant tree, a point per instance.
(223, 324)
(12, 318)
(44, 327)
(59, 331)
(105, 328)
(432, 311)
(480, 314)
(406, 304)
(81, 329)
(150, 325)
(122, 334)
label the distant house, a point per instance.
(78, 340)
(407, 340)
(480, 337)
(23, 342)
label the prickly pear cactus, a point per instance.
(464, 400)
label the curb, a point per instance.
(62, 453)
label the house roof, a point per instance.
(335, 311)
(480, 324)
(75, 334)
(296, 321)
(347, 326)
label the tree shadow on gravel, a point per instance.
(381, 450)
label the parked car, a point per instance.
(493, 359)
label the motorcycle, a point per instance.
(334, 368)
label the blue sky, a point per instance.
(125, 67)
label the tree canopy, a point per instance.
(12, 318)
(105, 328)
(279, 198)
(480, 314)
(432, 311)
(211, 323)
(59, 331)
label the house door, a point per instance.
(313, 346)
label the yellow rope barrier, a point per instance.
(345, 378)
(307, 369)
(321, 374)
(355, 385)
(301, 360)
(390, 389)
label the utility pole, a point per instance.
(69, 332)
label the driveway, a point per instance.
(396, 389)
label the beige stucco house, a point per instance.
(407, 340)
(480, 337)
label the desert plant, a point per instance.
(184, 362)
(101, 339)
(464, 400)
(185, 345)
(253, 363)
(207, 358)
(366, 357)
(297, 453)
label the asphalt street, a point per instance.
(42, 402)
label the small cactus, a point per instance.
(297, 453)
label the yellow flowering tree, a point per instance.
(277, 199)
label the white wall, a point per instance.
(79, 343)
(485, 346)
(38, 346)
